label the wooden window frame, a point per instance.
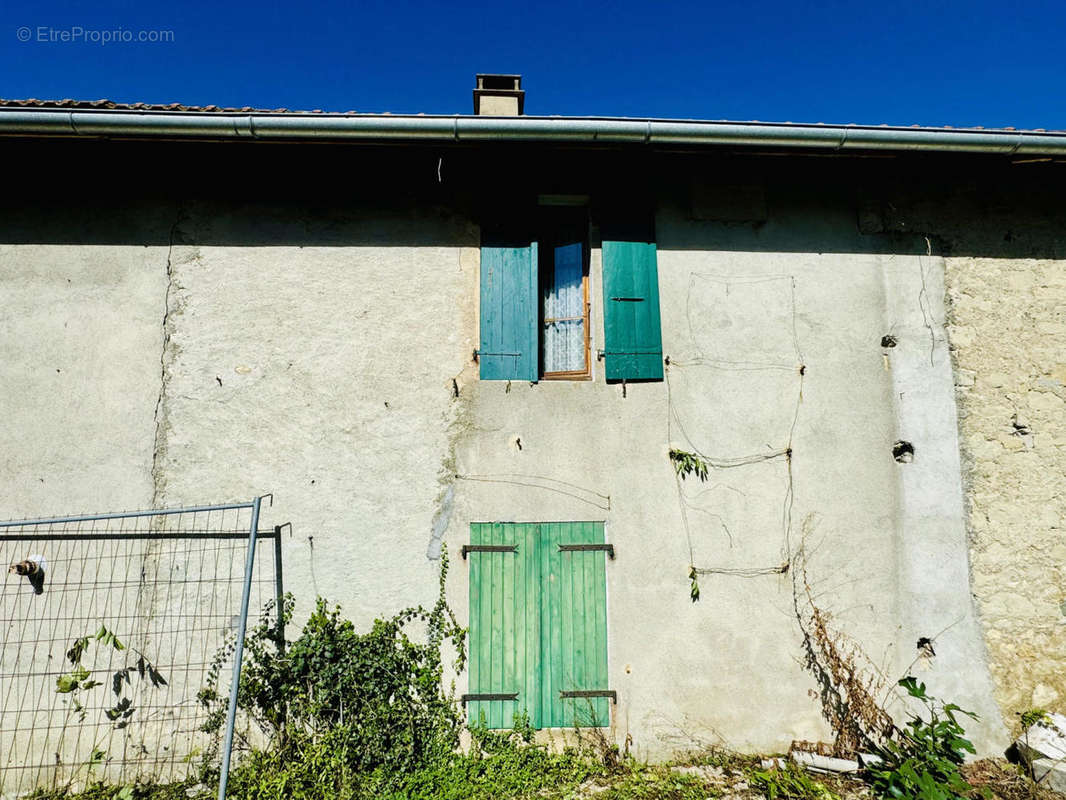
(546, 252)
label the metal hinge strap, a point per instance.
(611, 693)
(474, 698)
(608, 548)
(489, 548)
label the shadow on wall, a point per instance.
(258, 194)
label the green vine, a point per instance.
(352, 703)
(686, 464)
(80, 679)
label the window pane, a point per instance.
(564, 312)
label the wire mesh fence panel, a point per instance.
(109, 625)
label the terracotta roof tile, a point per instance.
(110, 105)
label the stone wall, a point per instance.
(1007, 325)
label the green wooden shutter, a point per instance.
(504, 622)
(574, 626)
(633, 346)
(509, 344)
(538, 624)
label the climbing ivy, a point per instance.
(352, 703)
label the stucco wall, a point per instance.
(312, 356)
(81, 333)
(744, 306)
(324, 354)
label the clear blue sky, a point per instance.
(930, 63)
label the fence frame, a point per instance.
(253, 535)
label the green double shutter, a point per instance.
(538, 624)
(509, 348)
(633, 346)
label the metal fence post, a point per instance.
(231, 716)
(279, 588)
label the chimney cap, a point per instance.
(502, 76)
(502, 87)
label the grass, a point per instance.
(515, 771)
(575, 775)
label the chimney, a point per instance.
(499, 96)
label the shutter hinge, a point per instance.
(611, 693)
(473, 698)
(581, 548)
(629, 299)
(489, 548)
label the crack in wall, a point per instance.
(161, 416)
(148, 593)
(458, 416)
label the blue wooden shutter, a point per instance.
(633, 346)
(509, 342)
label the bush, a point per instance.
(921, 761)
(337, 706)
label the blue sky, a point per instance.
(931, 63)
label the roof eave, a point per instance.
(474, 129)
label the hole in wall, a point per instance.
(925, 647)
(888, 340)
(1020, 426)
(903, 452)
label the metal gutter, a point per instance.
(473, 129)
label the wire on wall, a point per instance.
(724, 462)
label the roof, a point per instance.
(105, 118)
(111, 105)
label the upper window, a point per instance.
(564, 292)
(535, 306)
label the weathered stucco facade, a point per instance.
(312, 335)
(1000, 236)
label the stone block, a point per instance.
(1044, 740)
(1050, 773)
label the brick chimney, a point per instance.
(499, 96)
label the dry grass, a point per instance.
(998, 778)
